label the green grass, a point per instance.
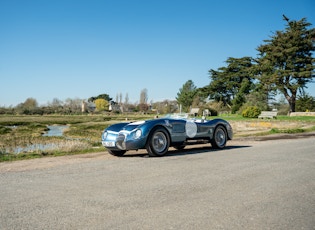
(275, 131)
(236, 117)
(291, 131)
(281, 131)
(4, 130)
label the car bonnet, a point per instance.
(133, 125)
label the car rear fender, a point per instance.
(226, 125)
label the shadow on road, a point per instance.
(189, 151)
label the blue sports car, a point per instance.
(157, 135)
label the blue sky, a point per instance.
(82, 48)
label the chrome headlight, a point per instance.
(138, 134)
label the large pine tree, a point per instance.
(286, 61)
(230, 84)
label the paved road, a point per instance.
(249, 185)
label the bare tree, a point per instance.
(143, 105)
(126, 99)
(120, 98)
(144, 96)
(73, 105)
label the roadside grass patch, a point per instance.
(284, 131)
(52, 148)
(292, 131)
(289, 131)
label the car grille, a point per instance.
(120, 141)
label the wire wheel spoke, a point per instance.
(220, 137)
(159, 141)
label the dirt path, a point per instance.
(49, 162)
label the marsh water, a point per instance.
(55, 130)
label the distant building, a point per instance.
(114, 107)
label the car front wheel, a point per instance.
(158, 143)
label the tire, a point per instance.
(219, 138)
(117, 153)
(158, 143)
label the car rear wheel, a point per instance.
(219, 138)
(117, 153)
(158, 143)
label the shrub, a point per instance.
(4, 130)
(251, 112)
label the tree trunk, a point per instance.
(291, 99)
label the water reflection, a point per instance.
(35, 147)
(55, 130)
